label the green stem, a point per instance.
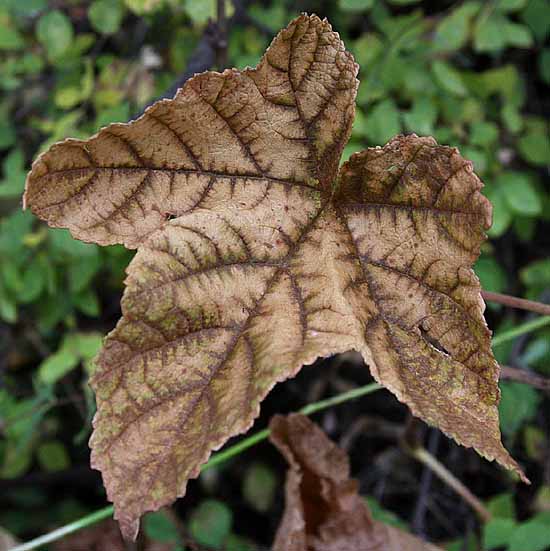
(215, 460)
(83, 522)
(527, 327)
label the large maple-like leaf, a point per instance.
(323, 509)
(256, 256)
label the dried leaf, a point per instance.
(323, 511)
(255, 257)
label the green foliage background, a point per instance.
(473, 74)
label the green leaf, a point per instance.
(448, 78)
(106, 16)
(504, 80)
(537, 352)
(520, 193)
(33, 283)
(8, 308)
(536, 273)
(469, 543)
(57, 365)
(478, 157)
(55, 32)
(502, 506)
(392, 71)
(52, 456)
(359, 124)
(10, 37)
(517, 35)
(383, 122)
(512, 118)
(355, 5)
(181, 46)
(200, 12)
(51, 310)
(64, 246)
(141, 7)
(525, 227)
(236, 543)
(16, 460)
(13, 183)
(518, 405)
(13, 230)
(159, 527)
(491, 275)
(489, 35)
(351, 147)
(422, 117)
(483, 133)
(453, 31)
(86, 301)
(274, 16)
(259, 486)
(26, 8)
(544, 65)
(497, 532)
(533, 535)
(81, 272)
(117, 113)
(367, 49)
(68, 97)
(510, 5)
(7, 132)
(210, 523)
(85, 345)
(534, 145)
(11, 275)
(537, 16)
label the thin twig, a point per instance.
(426, 458)
(516, 302)
(524, 376)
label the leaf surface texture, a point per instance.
(256, 255)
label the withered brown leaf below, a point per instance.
(323, 510)
(256, 255)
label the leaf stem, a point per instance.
(215, 460)
(527, 327)
(516, 302)
(83, 522)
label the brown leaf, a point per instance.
(417, 219)
(323, 510)
(254, 258)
